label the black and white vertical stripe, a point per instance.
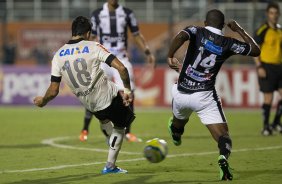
(219, 106)
(111, 27)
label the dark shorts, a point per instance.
(120, 115)
(273, 80)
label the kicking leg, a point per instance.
(130, 137)
(176, 129)
(87, 119)
(127, 129)
(115, 144)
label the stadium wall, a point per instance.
(52, 35)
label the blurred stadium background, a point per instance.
(31, 30)
(42, 145)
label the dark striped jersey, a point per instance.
(207, 51)
(111, 28)
(270, 41)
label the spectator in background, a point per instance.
(9, 51)
(269, 66)
(41, 53)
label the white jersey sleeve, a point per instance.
(55, 70)
(103, 54)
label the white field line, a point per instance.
(135, 159)
(51, 142)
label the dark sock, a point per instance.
(87, 120)
(177, 131)
(127, 129)
(224, 145)
(265, 113)
(86, 123)
(278, 113)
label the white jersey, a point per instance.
(78, 63)
(111, 28)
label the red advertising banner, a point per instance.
(237, 87)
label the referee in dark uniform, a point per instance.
(269, 66)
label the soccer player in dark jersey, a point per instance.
(110, 25)
(269, 66)
(195, 90)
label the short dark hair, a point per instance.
(273, 5)
(215, 18)
(80, 26)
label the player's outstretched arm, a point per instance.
(177, 42)
(234, 26)
(50, 94)
(127, 95)
(140, 41)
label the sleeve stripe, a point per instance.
(261, 29)
(55, 78)
(109, 59)
(187, 33)
(250, 49)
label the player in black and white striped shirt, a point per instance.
(109, 27)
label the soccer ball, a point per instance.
(155, 150)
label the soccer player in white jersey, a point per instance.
(195, 90)
(78, 63)
(110, 25)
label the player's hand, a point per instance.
(38, 101)
(127, 97)
(261, 72)
(234, 26)
(174, 64)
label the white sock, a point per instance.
(115, 143)
(106, 127)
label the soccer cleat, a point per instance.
(266, 131)
(224, 169)
(176, 139)
(276, 127)
(132, 138)
(115, 170)
(83, 135)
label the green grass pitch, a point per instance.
(24, 159)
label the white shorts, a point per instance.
(113, 74)
(206, 104)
